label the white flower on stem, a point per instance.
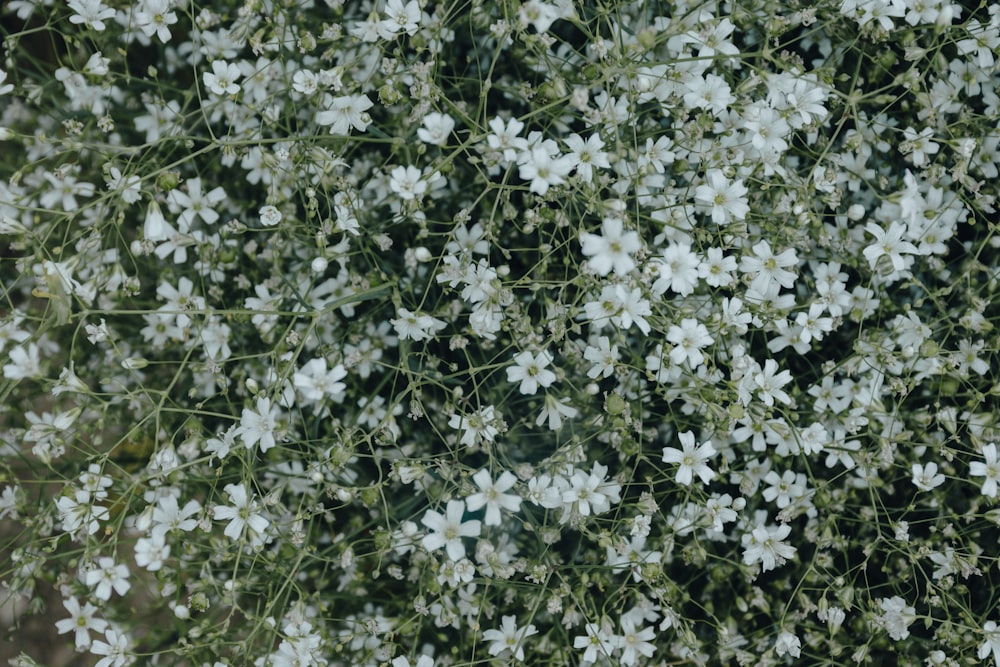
(127, 187)
(114, 647)
(692, 459)
(769, 270)
(448, 529)
(315, 382)
(544, 169)
(399, 18)
(492, 495)
(531, 370)
(505, 137)
(589, 493)
(677, 270)
(603, 357)
(154, 17)
(635, 642)
(989, 468)
(765, 545)
(926, 477)
(90, 13)
(725, 200)
(168, 516)
(241, 514)
(270, 216)
(81, 620)
(422, 661)
(437, 126)
(509, 638)
(408, 182)
(344, 112)
(105, 576)
(889, 243)
(155, 227)
(150, 552)
(787, 643)
(222, 79)
(896, 617)
(80, 511)
(479, 426)
(553, 411)
(597, 643)
(920, 145)
(769, 383)
(689, 337)
(612, 249)
(587, 155)
(258, 426)
(991, 644)
(717, 269)
(412, 326)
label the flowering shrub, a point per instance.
(614, 333)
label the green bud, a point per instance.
(200, 602)
(168, 180)
(614, 404)
(369, 496)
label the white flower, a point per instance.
(988, 468)
(692, 459)
(270, 216)
(926, 477)
(531, 371)
(635, 642)
(598, 643)
(154, 17)
(24, 363)
(765, 545)
(168, 516)
(222, 79)
(408, 182)
(114, 649)
(315, 382)
(991, 643)
(553, 411)
(769, 383)
(509, 638)
(603, 357)
(544, 169)
(787, 643)
(258, 426)
(725, 200)
(896, 617)
(412, 326)
(889, 243)
(492, 496)
(611, 251)
(688, 339)
(448, 529)
(243, 513)
(399, 18)
(150, 552)
(678, 270)
(90, 13)
(81, 620)
(105, 576)
(4, 89)
(437, 126)
(344, 112)
(479, 426)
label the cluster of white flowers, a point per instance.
(525, 331)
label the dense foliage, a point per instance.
(480, 332)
